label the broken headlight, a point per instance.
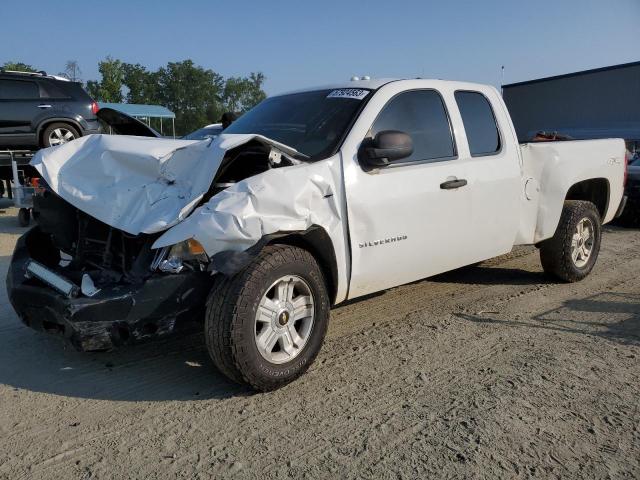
(189, 251)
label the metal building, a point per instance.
(599, 103)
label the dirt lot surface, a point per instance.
(488, 371)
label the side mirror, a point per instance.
(386, 147)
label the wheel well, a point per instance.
(595, 190)
(43, 126)
(317, 242)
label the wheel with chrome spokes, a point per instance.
(58, 134)
(284, 319)
(265, 325)
(582, 242)
(572, 251)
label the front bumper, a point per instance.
(114, 316)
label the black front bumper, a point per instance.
(114, 316)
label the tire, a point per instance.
(558, 254)
(233, 331)
(24, 217)
(63, 132)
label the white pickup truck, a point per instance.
(309, 199)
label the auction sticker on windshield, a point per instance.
(355, 93)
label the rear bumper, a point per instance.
(621, 207)
(115, 315)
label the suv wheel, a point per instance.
(58, 134)
(572, 251)
(265, 325)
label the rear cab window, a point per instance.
(479, 123)
(18, 89)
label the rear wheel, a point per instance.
(58, 134)
(572, 252)
(266, 325)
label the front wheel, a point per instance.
(266, 325)
(572, 251)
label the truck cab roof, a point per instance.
(376, 83)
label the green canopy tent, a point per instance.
(144, 113)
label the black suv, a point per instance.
(39, 110)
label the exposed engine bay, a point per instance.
(82, 245)
(247, 161)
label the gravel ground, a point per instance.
(487, 371)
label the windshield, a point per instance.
(311, 122)
(202, 133)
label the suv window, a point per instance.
(422, 115)
(479, 123)
(18, 90)
(51, 90)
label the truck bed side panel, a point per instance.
(550, 169)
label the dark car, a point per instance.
(631, 213)
(39, 110)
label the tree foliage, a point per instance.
(18, 66)
(109, 89)
(243, 93)
(142, 85)
(191, 92)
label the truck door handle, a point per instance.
(44, 106)
(451, 184)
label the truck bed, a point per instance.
(550, 169)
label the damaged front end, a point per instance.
(97, 285)
(131, 231)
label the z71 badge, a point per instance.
(375, 243)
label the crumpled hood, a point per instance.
(137, 184)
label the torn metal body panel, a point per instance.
(115, 315)
(106, 200)
(137, 184)
(279, 200)
(292, 199)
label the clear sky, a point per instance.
(304, 43)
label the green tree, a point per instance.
(191, 92)
(142, 85)
(243, 93)
(196, 95)
(109, 88)
(19, 67)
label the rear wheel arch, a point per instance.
(49, 121)
(594, 190)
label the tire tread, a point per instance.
(555, 253)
